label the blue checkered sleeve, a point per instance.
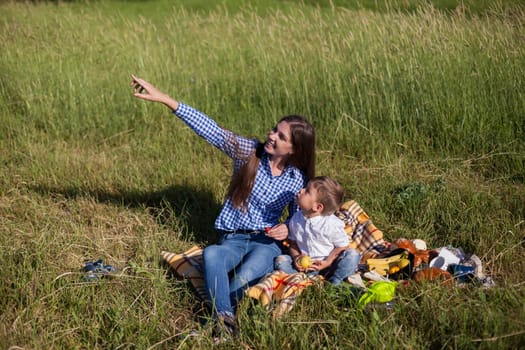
(236, 147)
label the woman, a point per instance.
(266, 178)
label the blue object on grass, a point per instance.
(462, 273)
(96, 269)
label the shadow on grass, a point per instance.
(195, 208)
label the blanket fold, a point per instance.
(282, 289)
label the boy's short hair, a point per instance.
(329, 192)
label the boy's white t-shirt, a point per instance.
(317, 236)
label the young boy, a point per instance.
(316, 232)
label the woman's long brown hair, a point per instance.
(303, 158)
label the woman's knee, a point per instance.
(213, 254)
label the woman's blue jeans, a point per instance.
(344, 266)
(237, 261)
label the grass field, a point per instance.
(406, 97)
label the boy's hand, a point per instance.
(318, 265)
(297, 265)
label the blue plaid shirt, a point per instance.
(270, 194)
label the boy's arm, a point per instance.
(323, 264)
(295, 253)
(294, 249)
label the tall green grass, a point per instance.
(419, 114)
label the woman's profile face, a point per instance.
(279, 142)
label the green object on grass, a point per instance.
(379, 292)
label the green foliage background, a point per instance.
(419, 111)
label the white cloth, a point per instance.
(317, 236)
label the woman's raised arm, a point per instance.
(145, 91)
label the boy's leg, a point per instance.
(284, 263)
(345, 265)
